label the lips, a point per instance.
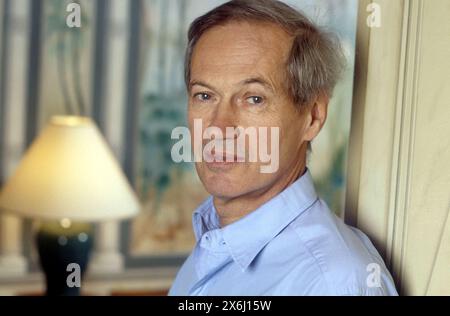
(213, 151)
(224, 157)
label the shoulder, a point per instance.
(345, 261)
(186, 276)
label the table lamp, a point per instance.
(67, 179)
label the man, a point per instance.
(263, 64)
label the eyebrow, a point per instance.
(248, 81)
(199, 83)
(257, 80)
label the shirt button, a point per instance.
(205, 240)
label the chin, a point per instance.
(223, 183)
(222, 186)
(221, 191)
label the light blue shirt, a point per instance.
(291, 245)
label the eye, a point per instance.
(255, 100)
(203, 97)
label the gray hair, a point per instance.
(316, 59)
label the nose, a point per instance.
(224, 116)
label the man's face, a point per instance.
(238, 79)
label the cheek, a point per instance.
(291, 136)
(193, 117)
(203, 113)
(191, 114)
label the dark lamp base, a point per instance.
(64, 259)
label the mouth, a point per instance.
(218, 161)
(222, 157)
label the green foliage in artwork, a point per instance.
(160, 114)
(331, 185)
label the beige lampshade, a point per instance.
(69, 172)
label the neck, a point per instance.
(232, 210)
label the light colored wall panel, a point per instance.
(440, 275)
(399, 186)
(429, 199)
(378, 75)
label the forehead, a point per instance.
(238, 49)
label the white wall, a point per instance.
(399, 167)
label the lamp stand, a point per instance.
(64, 255)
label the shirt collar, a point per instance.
(249, 235)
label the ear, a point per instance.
(316, 116)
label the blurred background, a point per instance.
(124, 68)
